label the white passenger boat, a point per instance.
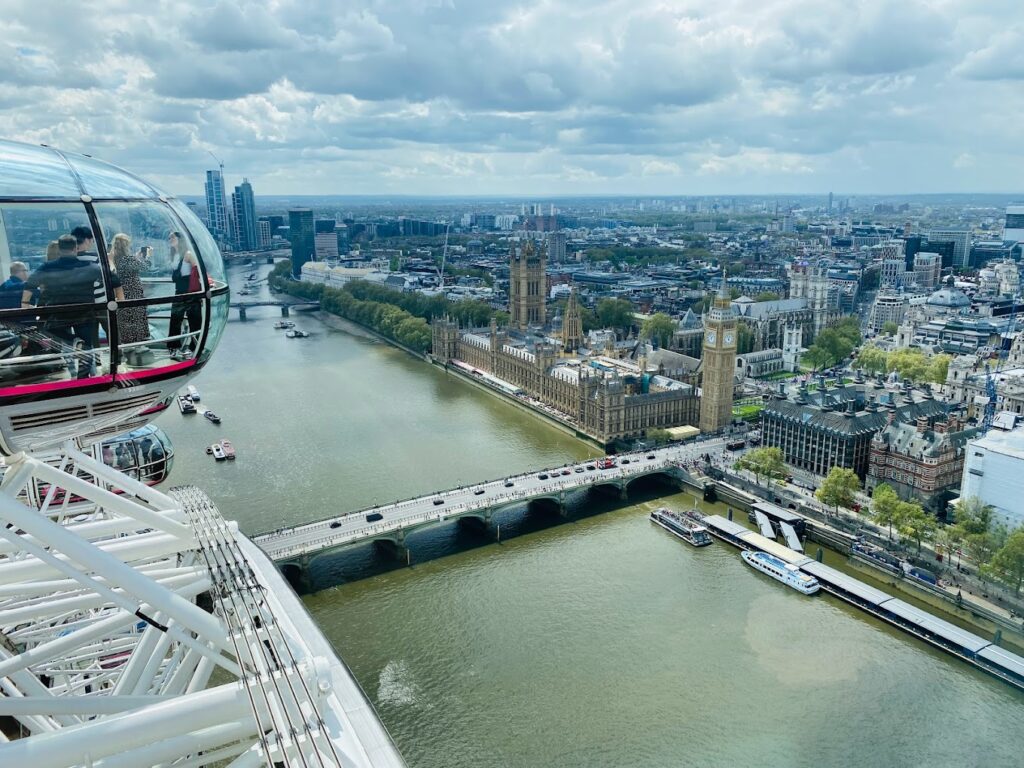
(193, 393)
(782, 571)
(685, 528)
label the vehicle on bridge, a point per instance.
(606, 463)
(373, 517)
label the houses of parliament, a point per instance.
(616, 392)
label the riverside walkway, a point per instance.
(298, 544)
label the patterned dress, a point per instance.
(132, 323)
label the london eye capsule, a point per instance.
(114, 297)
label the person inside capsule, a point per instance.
(69, 279)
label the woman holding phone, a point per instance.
(132, 323)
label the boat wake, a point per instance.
(394, 685)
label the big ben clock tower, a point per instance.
(718, 364)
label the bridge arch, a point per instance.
(663, 475)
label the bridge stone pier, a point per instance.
(476, 505)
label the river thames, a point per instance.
(599, 642)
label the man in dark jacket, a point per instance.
(70, 280)
(11, 288)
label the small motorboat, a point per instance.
(186, 405)
(296, 334)
(209, 450)
(211, 416)
(252, 276)
(229, 449)
(218, 452)
(193, 393)
(283, 324)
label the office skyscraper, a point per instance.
(325, 240)
(556, 247)
(1014, 227)
(216, 208)
(263, 237)
(246, 237)
(961, 240)
(300, 231)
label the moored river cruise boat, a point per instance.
(685, 528)
(782, 571)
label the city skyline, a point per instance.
(545, 99)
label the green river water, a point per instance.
(599, 642)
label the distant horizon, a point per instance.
(624, 196)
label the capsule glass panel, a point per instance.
(103, 180)
(27, 171)
(145, 453)
(209, 253)
(173, 328)
(219, 308)
(52, 349)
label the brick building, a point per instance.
(920, 459)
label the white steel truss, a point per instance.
(118, 606)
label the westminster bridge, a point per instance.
(294, 548)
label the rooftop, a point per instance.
(1007, 443)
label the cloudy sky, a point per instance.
(539, 97)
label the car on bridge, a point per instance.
(336, 524)
(578, 469)
(509, 483)
(542, 476)
(650, 457)
(373, 517)
(438, 502)
(566, 472)
(478, 492)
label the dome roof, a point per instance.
(949, 297)
(40, 172)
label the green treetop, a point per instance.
(839, 488)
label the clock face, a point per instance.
(728, 338)
(711, 337)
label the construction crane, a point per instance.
(220, 164)
(444, 257)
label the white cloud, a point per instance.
(433, 96)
